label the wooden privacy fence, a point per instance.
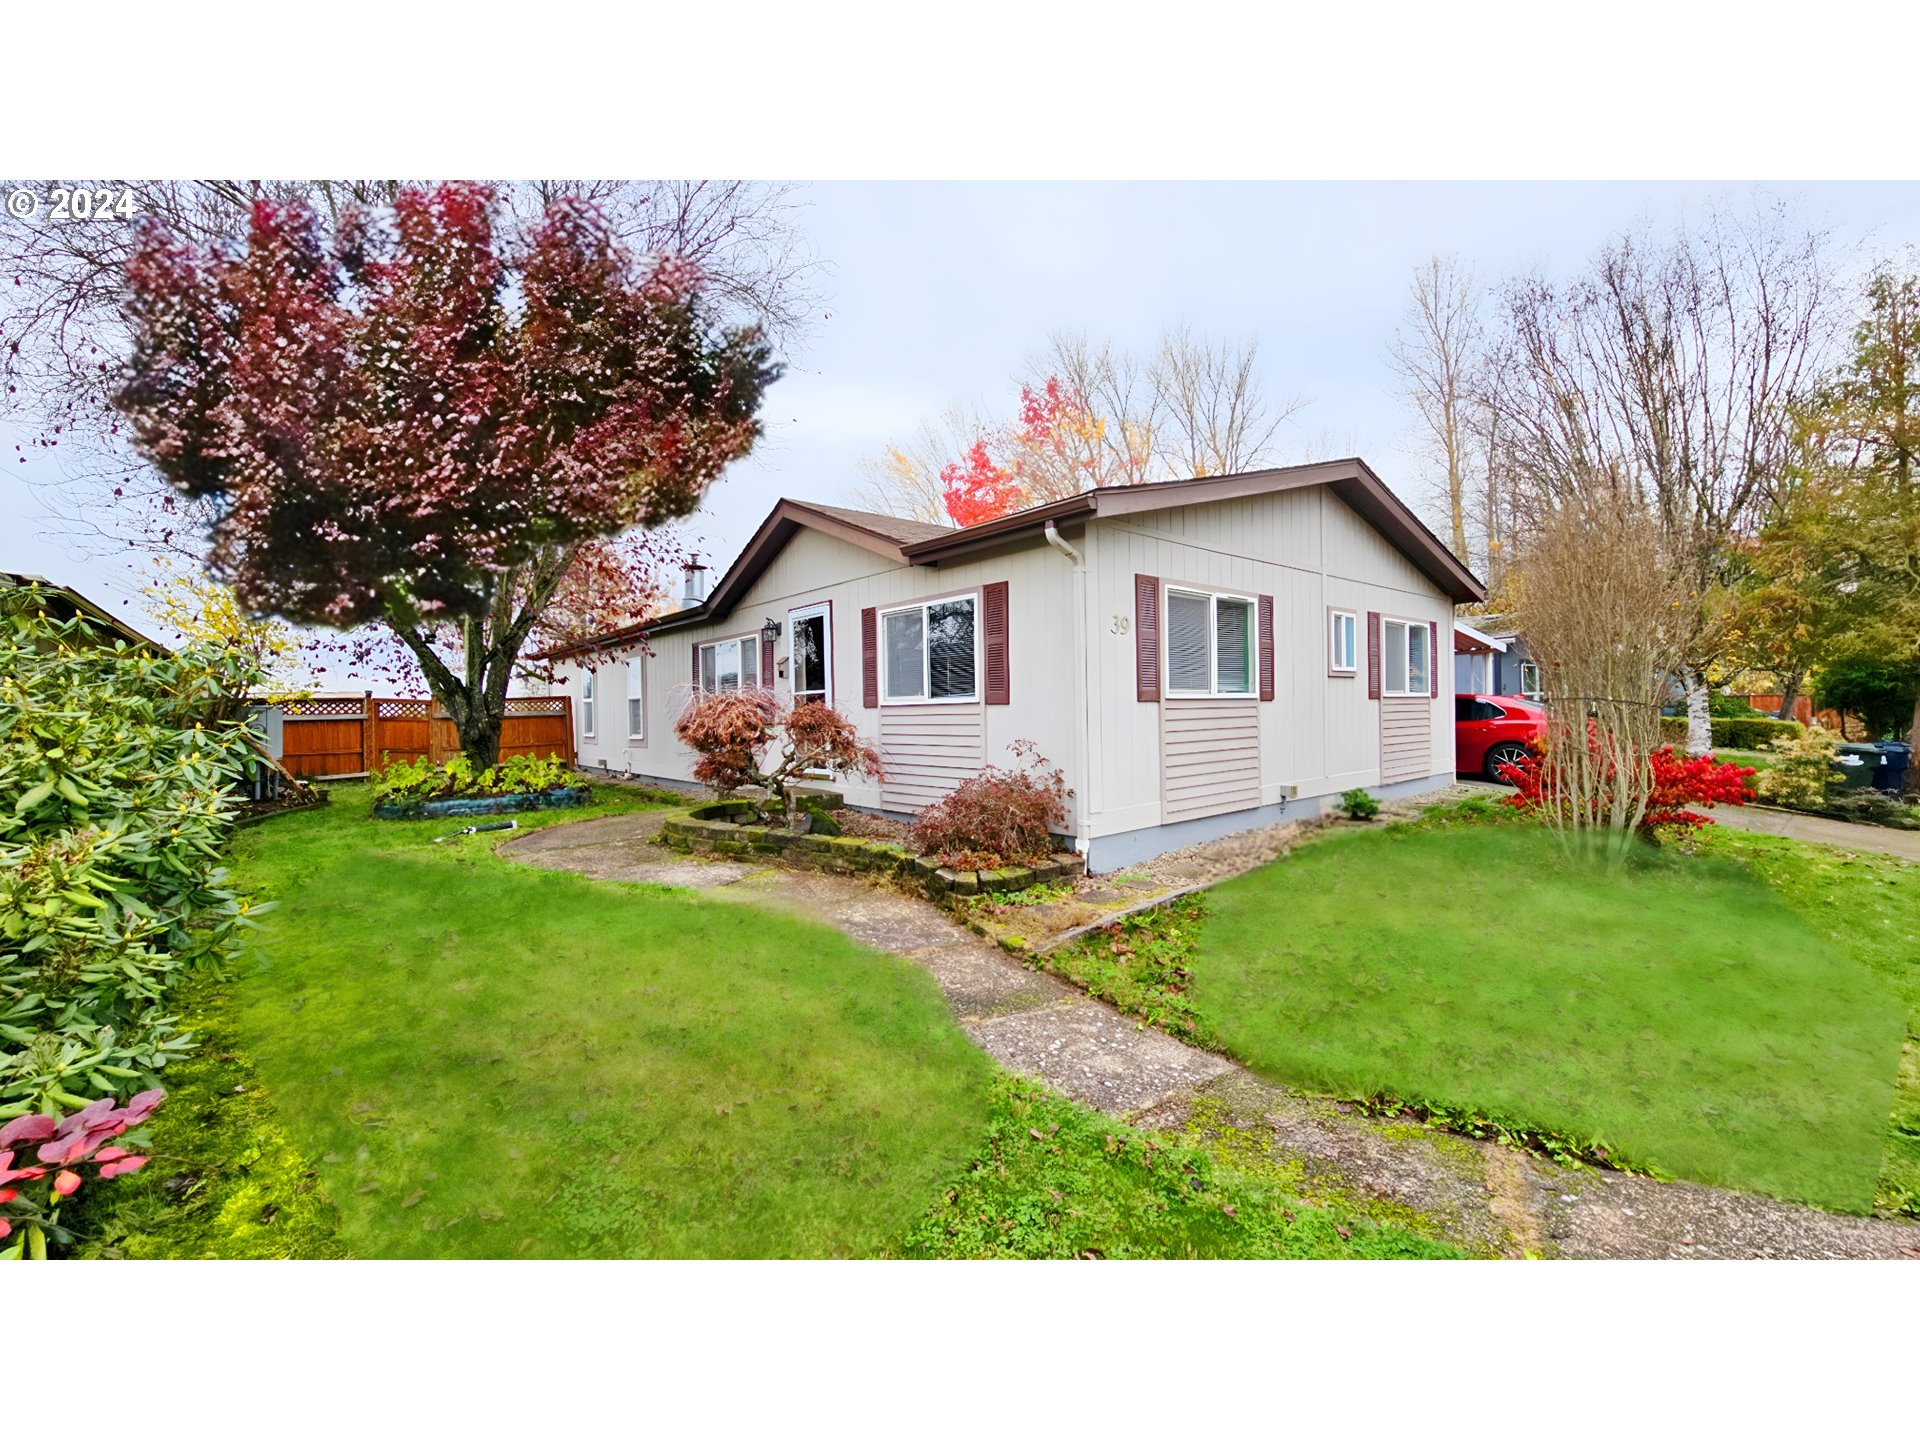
(344, 738)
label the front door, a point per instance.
(810, 655)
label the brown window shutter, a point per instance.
(766, 663)
(696, 667)
(870, 658)
(1146, 638)
(1433, 660)
(993, 600)
(1266, 647)
(1373, 654)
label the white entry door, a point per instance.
(810, 654)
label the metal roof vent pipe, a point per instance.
(694, 591)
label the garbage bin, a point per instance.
(1858, 765)
(1895, 757)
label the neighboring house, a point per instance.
(1199, 656)
(1490, 658)
(64, 602)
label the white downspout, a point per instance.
(1083, 744)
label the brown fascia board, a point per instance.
(767, 542)
(1352, 480)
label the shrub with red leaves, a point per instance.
(65, 1146)
(735, 733)
(1678, 781)
(997, 817)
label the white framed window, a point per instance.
(587, 703)
(730, 665)
(636, 700)
(1343, 642)
(1406, 661)
(1530, 680)
(930, 652)
(1210, 643)
(810, 654)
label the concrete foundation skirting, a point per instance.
(1107, 853)
(715, 829)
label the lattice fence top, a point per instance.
(536, 704)
(405, 709)
(325, 709)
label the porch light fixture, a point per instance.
(770, 631)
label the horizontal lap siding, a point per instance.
(928, 750)
(1211, 751)
(1406, 738)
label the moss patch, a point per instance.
(225, 1182)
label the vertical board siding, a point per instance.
(927, 750)
(1212, 757)
(1406, 738)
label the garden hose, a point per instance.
(476, 829)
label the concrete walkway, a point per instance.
(1490, 1200)
(1821, 831)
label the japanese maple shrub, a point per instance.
(116, 774)
(421, 422)
(999, 816)
(744, 738)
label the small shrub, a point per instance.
(998, 817)
(1732, 707)
(413, 781)
(1678, 782)
(1357, 804)
(1804, 771)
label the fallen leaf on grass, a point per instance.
(413, 1199)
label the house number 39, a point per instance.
(1121, 624)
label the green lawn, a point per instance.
(1682, 1013)
(490, 1060)
(436, 1052)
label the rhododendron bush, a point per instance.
(31, 1192)
(744, 738)
(999, 816)
(1675, 782)
(115, 805)
(420, 421)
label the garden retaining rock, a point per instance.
(717, 829)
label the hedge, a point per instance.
(1733, 733)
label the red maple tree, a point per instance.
(1052, 450)
(420, 421)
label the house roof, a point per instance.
(1469, 641)
(913, 542)
(78, 604)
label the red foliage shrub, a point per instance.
(1678, 781)
(735, 734)
(31, 1193)
(997, 817)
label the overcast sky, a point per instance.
(938, 293)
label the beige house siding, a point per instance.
(927, 750)
(1212, 750)
(1406, 738)
(1320, 734)
(814, 568)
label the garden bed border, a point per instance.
(713, 829)
(564, 797)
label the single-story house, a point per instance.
(63, 602)
(1490, 658)
(1198, 656)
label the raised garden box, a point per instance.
(560, 798)
(717, 829)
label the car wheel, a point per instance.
(1504, 754)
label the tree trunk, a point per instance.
(1699, 721)
(1789, 692)
(1911, 786)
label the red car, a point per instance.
(1493, 730)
